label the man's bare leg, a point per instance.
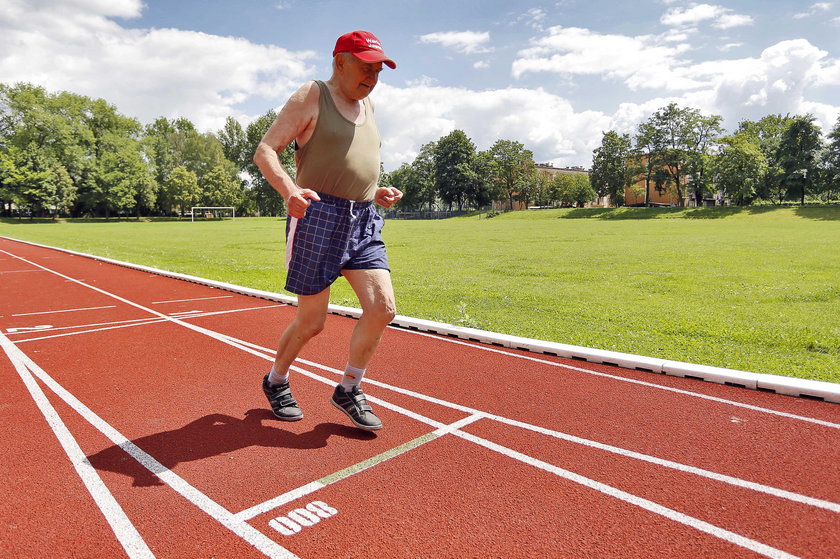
(376, 295)
(308, 323)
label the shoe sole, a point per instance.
(283, 417)
(286, 417)
(359, 425)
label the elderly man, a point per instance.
(333, 229)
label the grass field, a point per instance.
(755, 289)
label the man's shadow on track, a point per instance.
(212, 435)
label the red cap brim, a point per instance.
(373, 56)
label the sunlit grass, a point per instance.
(752, 289)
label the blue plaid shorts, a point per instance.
(335, 234)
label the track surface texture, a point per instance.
(134, 425)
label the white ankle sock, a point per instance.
(352, 377)
(275, 378)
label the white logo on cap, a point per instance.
(374, 44)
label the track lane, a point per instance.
(460, 384)
(45, 504)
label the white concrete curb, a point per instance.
(791, 386)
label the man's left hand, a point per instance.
(387, 196)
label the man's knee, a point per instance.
(383, 312)
(309, 326)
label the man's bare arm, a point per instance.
(296, 120)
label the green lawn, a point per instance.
(755, 289)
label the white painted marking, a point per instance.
(184, 313)
(280, 500)
(633, 381)
(24, 329)
(131, 323)
(643, 503)
(782, 385)
(188, 300)
(769, 490)
(128, 536)
(18, 271)
(314, 486)
(181, 486)
(245, 531)
(300, 518)
(65, 310)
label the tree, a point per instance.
(233, 140)
(831, 162)
(572, 190)
(767, 134)
(739, 168)
(266, 199)
(647, 156)
(512, 168)
(704, 131)
(611, 173)
(797, 155)
(680, 139)
(221, 187)
(157, 147)
(183, 188)
(455, 176)
(11, 178)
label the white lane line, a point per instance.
(188, 300)
(65, 310)
(645, 504)
(629, 380)
(245, 531)
(309, 488)
(629, 498)
(19, 271)
(230, 341)
(127, 324)
(128, 536)
(758, 487)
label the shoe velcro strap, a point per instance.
(360, 402)
(285, 399)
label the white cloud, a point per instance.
(465, 42)
(774, 83)
(690, 16)
(727, 21)
(639, 61)
(814, 9)
(545, 123)
(533, 17)
(777, 81)
(74, 46)
(721, 17)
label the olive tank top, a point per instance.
(341, 158)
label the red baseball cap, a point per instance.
(363, 45)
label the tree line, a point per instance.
(450, 173)
(680, 150)
(67, 154)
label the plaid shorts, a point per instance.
(336, 234)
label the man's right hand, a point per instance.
(298, 202)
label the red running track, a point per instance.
(135, 426)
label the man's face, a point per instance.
(359, 78)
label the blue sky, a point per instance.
(553, 75)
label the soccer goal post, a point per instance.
(212, 211)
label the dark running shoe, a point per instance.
(283, 404)
(355, 405)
